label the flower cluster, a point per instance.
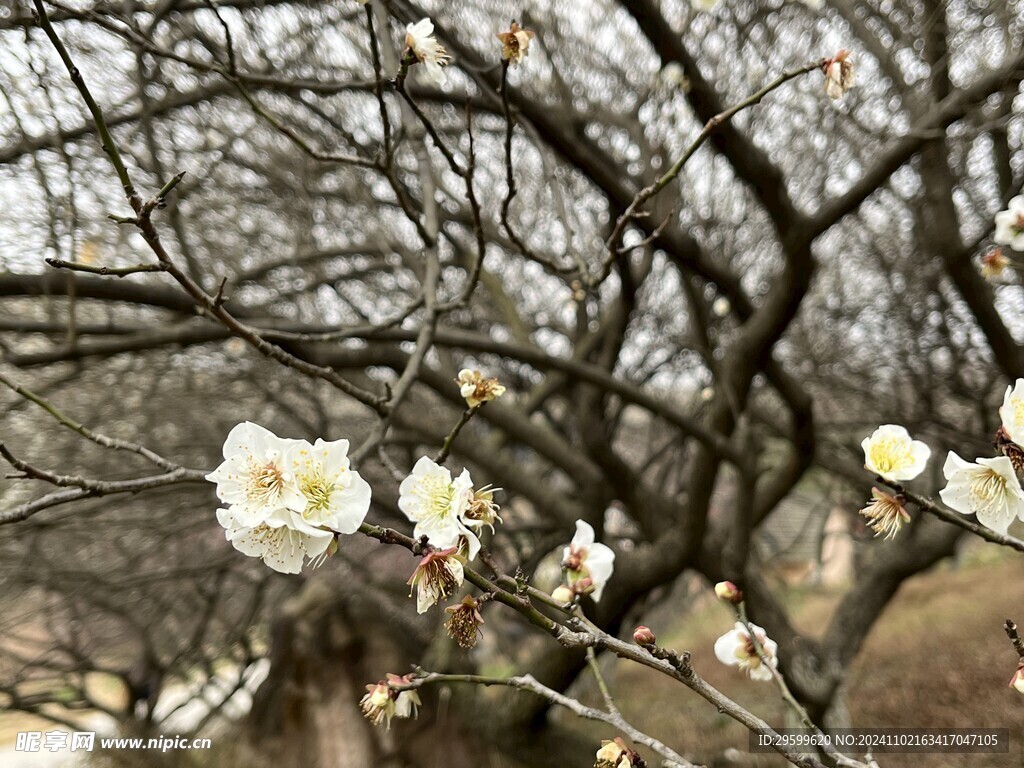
(450, 513)
(737, 648)
(383, 701)
(891, 454)
(286, 499)
(588, 565)
(988, 488)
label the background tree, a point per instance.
(679, 364)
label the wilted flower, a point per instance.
(885, 514)
(994, 264)
(988, 488)
(1011, 412)
(1017, 681)
(436, 503)
(476, 389)
(281, 541)
(256, 477)
(377, 704)
(892, 455)
(589, 565)
(436, 577)
(464, 622)
(1010, 225)
(721, 306)
(729, 592)
(482, 509)
(382, 702)
(515, 43)
(643, 635)
(839, 75)
(703, 5)
(336, 497)
(419, 39)
(736, 648)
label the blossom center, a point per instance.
(265, 482)
(889, 454)
(317, 489)
(989, 487)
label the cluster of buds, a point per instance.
(615, 754)
(437, 576)
(838, 74)
(515, 43)
(464, 620)
(384, 701)
(476, 389)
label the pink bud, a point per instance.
(729, 592)
(644, 636)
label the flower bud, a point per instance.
(1017, 681)
(644, 636)
(563, 594)
(584, 586)
(729, 592)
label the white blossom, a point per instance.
(336, 497)
(736, 648)
(892, 455)
(588, 561)
(988, 488)
(256, 477)
(438, 505)
(1012, 412)
(281, 540)
(419, 38)
(1010, 225)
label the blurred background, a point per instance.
(698, 390)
